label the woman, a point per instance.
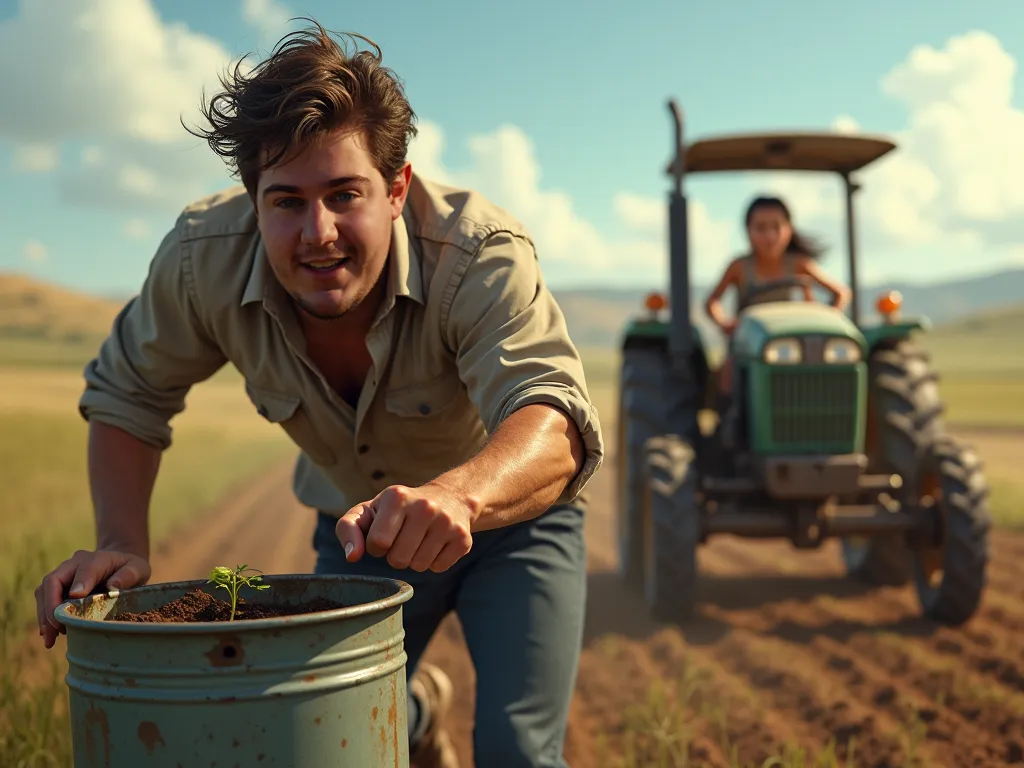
(777, 251)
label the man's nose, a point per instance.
(319, 227)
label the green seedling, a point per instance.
(232, 581)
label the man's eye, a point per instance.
(287, 202)
(344, 197)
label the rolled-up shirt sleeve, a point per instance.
(513, 348)
(157, 350)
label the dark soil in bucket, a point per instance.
(197, 605)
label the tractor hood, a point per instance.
(763, 322)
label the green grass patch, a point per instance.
(47, 514)
(46, 490)
(993, 399)
(47, 353)
(1007, 500)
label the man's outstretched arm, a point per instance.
(526, 378)
(523, 469)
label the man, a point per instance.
(401, 333)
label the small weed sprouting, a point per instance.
(232, 581)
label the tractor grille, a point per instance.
(813, 410)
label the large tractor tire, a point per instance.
(951, 576)
(641, 416)
(904, 416)
(671, 528)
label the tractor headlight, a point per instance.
(840, 351)
(784, 351)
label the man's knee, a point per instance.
(526, 740)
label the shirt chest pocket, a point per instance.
(425, 404)
(288, 412)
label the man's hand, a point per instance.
(82, 572)
(424, 528)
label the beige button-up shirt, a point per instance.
(467, 333)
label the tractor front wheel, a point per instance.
(951, 575)
(641, 416)
(904, 415)
(671, 526)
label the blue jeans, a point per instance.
(520, 595)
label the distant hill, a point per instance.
(35, 315)
(596, 315)
(36, 311)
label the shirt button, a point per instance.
(424, 409)
(377, 474)
(363, 448)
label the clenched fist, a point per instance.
(423, 528)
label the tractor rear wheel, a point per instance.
(950, 577)
(641, 416)
(671, 528)
(904, 417)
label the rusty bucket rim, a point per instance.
(63, 612)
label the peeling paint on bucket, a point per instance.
(303, 691)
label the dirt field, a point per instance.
(790, 651)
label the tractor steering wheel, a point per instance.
(794, 281)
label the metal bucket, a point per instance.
(305, 691)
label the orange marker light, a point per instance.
(888, 304)
(655, 301)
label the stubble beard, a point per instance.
(345, 309)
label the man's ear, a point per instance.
(400, 189)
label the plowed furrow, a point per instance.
(737, 716)
(845, 620)
(660, 694)
(959, 647)
(951, 739)
(800, 688)
(988, 708)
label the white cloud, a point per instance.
(108, 68)
(34, 252)
(951, 190)
(117, 78)
(35, 158)
(952, 187)
(112, 73)
(136, 229)
(845, 124)
(504, 167)
(267, 16)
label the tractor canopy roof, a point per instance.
(837, 152)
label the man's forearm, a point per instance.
(122, 473)
(522, 470)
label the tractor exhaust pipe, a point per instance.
(680, 331)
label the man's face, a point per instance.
(325, 217)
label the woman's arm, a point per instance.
(840, 292)
(713, 306)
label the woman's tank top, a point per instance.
(748, 279)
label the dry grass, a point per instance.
(683, 719)
(47, 514)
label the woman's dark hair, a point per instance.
(800, 242)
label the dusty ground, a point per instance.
(822, 657)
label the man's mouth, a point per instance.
(323, 266)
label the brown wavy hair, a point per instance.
(310, 85)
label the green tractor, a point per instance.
(838, 428)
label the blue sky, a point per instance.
(555, 109)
